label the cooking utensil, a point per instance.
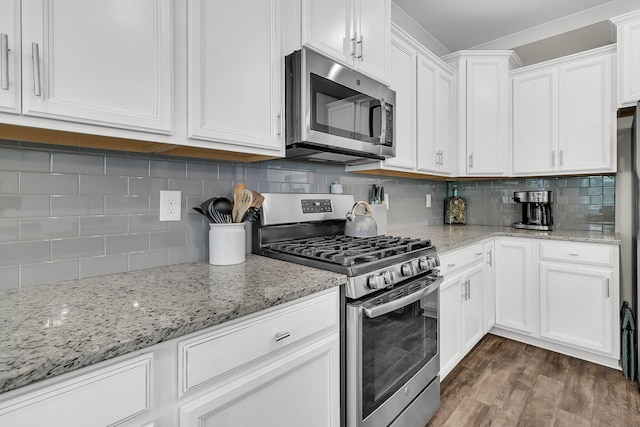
(257, 199)
(241, 202)
(223, 207)
(360, 224)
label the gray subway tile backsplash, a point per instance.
(68, 212)
(56, 271)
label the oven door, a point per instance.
(392, 352)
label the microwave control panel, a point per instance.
(316, 206)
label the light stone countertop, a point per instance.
(451, 237)
(52, 329)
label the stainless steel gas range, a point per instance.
(391, 314)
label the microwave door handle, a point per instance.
(379, 310)
(383, 121)
(372, 110)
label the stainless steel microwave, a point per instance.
(335, 114)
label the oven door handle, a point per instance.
(379, 310)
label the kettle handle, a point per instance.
(351, 215)
(367, 206)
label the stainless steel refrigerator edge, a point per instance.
(635, 151)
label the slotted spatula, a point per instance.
(241, 202)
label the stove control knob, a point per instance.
(376, 281)
(428, 263)
(389, 277)
(408, 270)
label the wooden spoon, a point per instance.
(241, 202)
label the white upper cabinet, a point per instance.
(535, 121)
(435, 116)
(628, 40)
(106, 63)
(563, 115)
(402, 77)
(354, 32)
(483, 118)
(235, 67)
(424, 111)
(10, 79)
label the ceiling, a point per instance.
(508, 24)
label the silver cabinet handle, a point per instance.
(353, 46)
(379, 310)
(553, 158)
(608, 290)
(490, 257)
(35, 52)
(561, 158)
(441, 158)
(470, 160)
(464, 290)
(280, 125)
(359, 43)
(450, 265)
(574, 254)
(282, 335)
(468, 288)
(4, 61)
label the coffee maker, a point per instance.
(537, 209)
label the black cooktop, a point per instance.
(352, 251)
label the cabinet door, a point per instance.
(10, 79)
(444, 122)
(234, 73)
(629, 60)
(428, 156)
(514, 285)
(92, 61)
(489, 287)
(576, 306)
(587, 119)
(373, 28)
(487, 122)
(326, 27)
(451, 352)
(301, 388)
(402, 77)
(535, 122)
(472, 326)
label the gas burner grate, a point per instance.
(350, 251)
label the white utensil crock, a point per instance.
(226, 243)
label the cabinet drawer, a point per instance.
(104, 397)
(455, 260)
(592, 254)
(228, 347)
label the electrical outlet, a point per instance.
(428, 201)
(170, 205)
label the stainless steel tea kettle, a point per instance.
(360, 224)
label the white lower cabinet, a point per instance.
(279, 368)
(461, 306)
(562, 296)
(576, 306)
(104, 396)
(514, 278)
(295, 390)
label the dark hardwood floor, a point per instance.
(506, 383)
